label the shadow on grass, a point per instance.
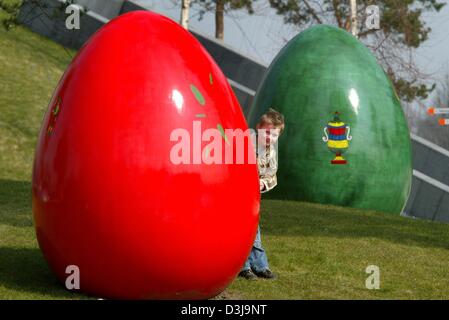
(289, 218)
(15, 203)
(24, 270)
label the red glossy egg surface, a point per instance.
(107, 197)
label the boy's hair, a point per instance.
(274, 117)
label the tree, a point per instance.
(185, 6)
(220, 7)
(354, 21)
(9, 12)
(402, 30)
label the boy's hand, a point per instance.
(261, 185)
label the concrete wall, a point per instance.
(50, 23)
(109, 11)
(429, 197)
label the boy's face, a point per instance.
(268, 134)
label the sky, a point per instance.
(262, 35)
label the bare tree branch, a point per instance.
(336, 6)
(312, 12)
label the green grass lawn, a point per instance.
(319, 252)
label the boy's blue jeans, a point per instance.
(257, 260)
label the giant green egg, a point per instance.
(321, 71)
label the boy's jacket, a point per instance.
(267, 165)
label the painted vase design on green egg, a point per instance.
(337, 137)
(321, 70)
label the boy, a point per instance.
(269, 128)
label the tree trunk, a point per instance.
(354, 28)
(185, 13)
(219, 19)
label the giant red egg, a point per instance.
(108, 197)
